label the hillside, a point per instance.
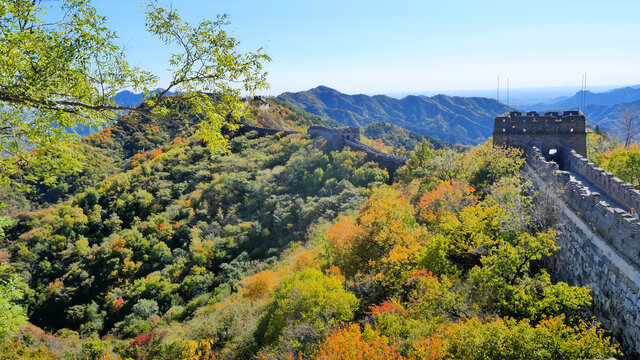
(282, 248)
(401, 139)
(135, 138)
(452, 119)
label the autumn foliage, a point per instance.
(352, 343)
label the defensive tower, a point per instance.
(551, 132)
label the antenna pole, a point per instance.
(584, 93)
(507, 91)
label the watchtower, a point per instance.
(551, 132)
(350, 133)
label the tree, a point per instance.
(11, 314)
(351, 343)
(61, 67)
(627, 123)
(308, 296)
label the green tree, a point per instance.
(12, 315)
(307, 297)
(61, 66)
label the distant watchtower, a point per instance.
(551, 132)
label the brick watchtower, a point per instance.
(548, 132)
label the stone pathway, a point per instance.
(603, 197)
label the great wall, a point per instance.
(598, 238)
(339, 138)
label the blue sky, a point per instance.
(414, 46)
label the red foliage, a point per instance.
(386, 307)
(117, 305)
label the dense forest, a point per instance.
(284, 248)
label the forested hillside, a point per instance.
(283, 248)
(132, 138)
(457, 120)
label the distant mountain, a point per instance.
(462, 120)
(122, 98)
(131, 99)
(606, 117)
(611, 97)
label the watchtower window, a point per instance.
(571, 129)
(553, 151)
(524, 130)
(503, 129)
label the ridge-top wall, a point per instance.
(622, 192)
(598, 248)
(339, 137)
(350, 136)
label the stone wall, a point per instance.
(350, 136)
(391, 162)
(598, 248)
(338, 138)
(622, 192)
(245, 128)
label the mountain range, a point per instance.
(461, 120)
(611, 97)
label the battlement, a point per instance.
(350, 136)
(547, 131)
(336, 134)
(245, 128)
(615, 225)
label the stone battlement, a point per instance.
(245, 128)
(598, 245)
(622, 192)
(350, 136)
(336, 134)
(615, 225)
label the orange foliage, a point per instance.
(435, 346)
(449, 197)
(305, 259)
(177, 140)
(350, 343)
(156, 153)
(335, 271)
(260, 285)
(384, 237)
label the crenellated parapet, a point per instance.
(598, 244)
(245, 128)
(350, 136)
(622, 192)
(615, 225)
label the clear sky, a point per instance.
(414, 46)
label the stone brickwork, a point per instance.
(622, 192)
(549, 131)
(599, 247)
(245, 128)
(350, 136)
